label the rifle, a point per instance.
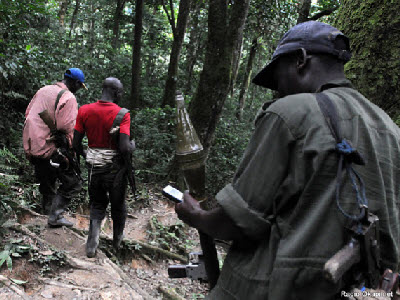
(114, 133)
(131, 177)
(62, 144)
(363, 247)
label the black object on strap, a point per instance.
(347, 156)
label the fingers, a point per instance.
(187, 209)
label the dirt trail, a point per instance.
(136, 275)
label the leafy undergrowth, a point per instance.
(23, 260)
(36, 267)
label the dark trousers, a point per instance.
(108, 186)
(47, 175)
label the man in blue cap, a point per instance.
(286, 209)
(47, 148)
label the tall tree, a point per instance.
(194, 46)
(117, 17)
(136, 56)
(304, 11)
(246, 79)
(178, 31)
(373, 27)
(74, 16)
(224, 30)
(62, 11)
(92, 27)
(236, 56)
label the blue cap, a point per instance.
(77, 74)
(314, 37)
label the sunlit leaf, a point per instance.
(17, 281)
(9, 263)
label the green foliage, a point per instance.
(48, 260)
(15, 189)
(197, 296)
(153, 129)
(231, 138)
(15, 248)
(7, 162)
(169, 237)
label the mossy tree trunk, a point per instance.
(225, 27)
(373, 27)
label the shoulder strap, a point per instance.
(60, 93)
(118, 118)
(58, 99)
(329, 111)
(347, 156)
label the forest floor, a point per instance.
(50, 263)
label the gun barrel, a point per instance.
(342, 261)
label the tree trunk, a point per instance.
(213, 88)
(179, 34)
(117, 17)
(304, 11)
(193, 46)
(136, 56)
(92, 28)
(246, 80)
(61, 13)
(150, 63)
(73, 19)
(237, 55)
(373, 27)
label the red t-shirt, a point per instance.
(96, 119)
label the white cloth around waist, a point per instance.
(100, 157)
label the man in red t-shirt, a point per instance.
(106, 159)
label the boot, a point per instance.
(47, 201)
(93, 238)
(118, 234)
(56, 218)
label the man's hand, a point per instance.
(189, 210)
(215, 222)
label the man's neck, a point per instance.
(324, 79)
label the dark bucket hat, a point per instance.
(315, 37)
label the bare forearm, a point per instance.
(217, 224)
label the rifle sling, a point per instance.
(118, 118)
(56, 104)
(347, 156)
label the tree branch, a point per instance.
(325, 12)
(171, 5)
(171, 19)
